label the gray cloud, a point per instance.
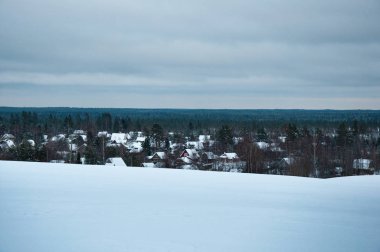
(269, 53)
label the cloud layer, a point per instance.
(198, 54)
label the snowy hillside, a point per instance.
(57, 207)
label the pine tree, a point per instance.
(146, 146)
(157, 134)
(225, 137)
(262, 135)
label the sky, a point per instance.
(255, 54)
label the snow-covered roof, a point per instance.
(210, 155)
(7, 144)
(194, 144)
(361, 163)
(282, 138)
(84, 137)
(136, 149)
(190, 153)
(276, 149)
(262, 145)
(204, 138)
(140, 139)
(160, 154)
(58, 137)
(79, 132)
(119, 137)
(7, 136)
(112, 144)
(136, 145)
(115, 161)
(229, 155)
(31, 142)
(237, 140)
(288, 160)
(103, 134)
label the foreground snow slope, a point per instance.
(58, 207)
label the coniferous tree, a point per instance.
(25, 151)
(262, 136)
(225, 137)
(146, 146)
(157, 134)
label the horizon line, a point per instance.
(184, 108)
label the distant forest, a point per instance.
(115, 119)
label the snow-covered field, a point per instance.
(59, 207)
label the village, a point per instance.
(194, 155)
(260, 153)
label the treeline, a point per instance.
(21, 121)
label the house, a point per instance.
(230, 162)
(79, 132)
(230, 157)
(338, 171)
(59, 137)
(31, 143)
(262, 145)
(194, 145)
(158, 159)
(140, 139)
(279, 166)
(119, 138)
(190, 154)
(7, 144)
(73, 147)
(7, 137)
(282, 139)
(208, 159)
(189, 159)
(287, 161)
(274, 147)
(104, 134)
(176, 146)
(204, 138)
(115, 161)
(135, 147)
(237, 140)
(363, 166)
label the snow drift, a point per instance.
(59, 207)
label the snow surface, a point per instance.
(115, 161)
(59, 207)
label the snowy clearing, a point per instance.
(58, 207)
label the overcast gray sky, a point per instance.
(190, 54)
